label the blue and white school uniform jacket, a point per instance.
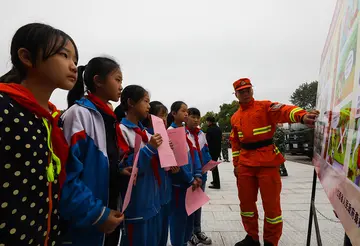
(188, 172)
(145, 196)
(84, 197)
(204, 150)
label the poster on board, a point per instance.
(337, 133)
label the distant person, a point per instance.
(213, 137)
(225, 148)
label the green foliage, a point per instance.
(305, 95)
(279, 139)
(203, 124)
(223, 117)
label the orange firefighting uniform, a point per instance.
(257, 163)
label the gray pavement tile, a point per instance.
(227, 216)
(207, 215)
(225, 201)
(230, 238)
(213, 207)
(222, 225)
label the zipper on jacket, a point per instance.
(97, 112)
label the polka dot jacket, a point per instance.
(28, 202)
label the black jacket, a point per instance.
(24, 190)
(213, 137)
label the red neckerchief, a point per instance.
(27, 100)
(142, 134)
(154, 159)
(121, 143)
(195, 133)
(155, 167)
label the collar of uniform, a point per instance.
(173, 125)
(129, 124)
(245, 106)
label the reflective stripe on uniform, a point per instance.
(55, 114)
(235, 153)
(274, 221)
(240, 134)
(293, 112)
(247, 214)
(262, 130)
(276, 150)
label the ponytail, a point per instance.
(170, 119)
(13, 76)
(120, 113)
(78, 90)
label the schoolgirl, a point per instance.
(142, 216)
(181, 225)
(33, 150)
(198, 136)
(90, 198)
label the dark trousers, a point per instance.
(215, 173)
(197, 215)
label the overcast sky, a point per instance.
(190, 50)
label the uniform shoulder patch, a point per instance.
(276, 106)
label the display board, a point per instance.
(337, 132)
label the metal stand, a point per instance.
(313, 215)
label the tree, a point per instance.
(223, 117)
(203, 124)
(305, 95)
(279, 139)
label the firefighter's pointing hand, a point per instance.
(309, 119)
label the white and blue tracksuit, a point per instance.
(181, 225)
(142, 216)
(85, 193)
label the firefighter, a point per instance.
(256, 160)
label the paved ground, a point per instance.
(221, 218)
(299, 159)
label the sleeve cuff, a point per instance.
(149, 150)
(103, 216)
(302, 119)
